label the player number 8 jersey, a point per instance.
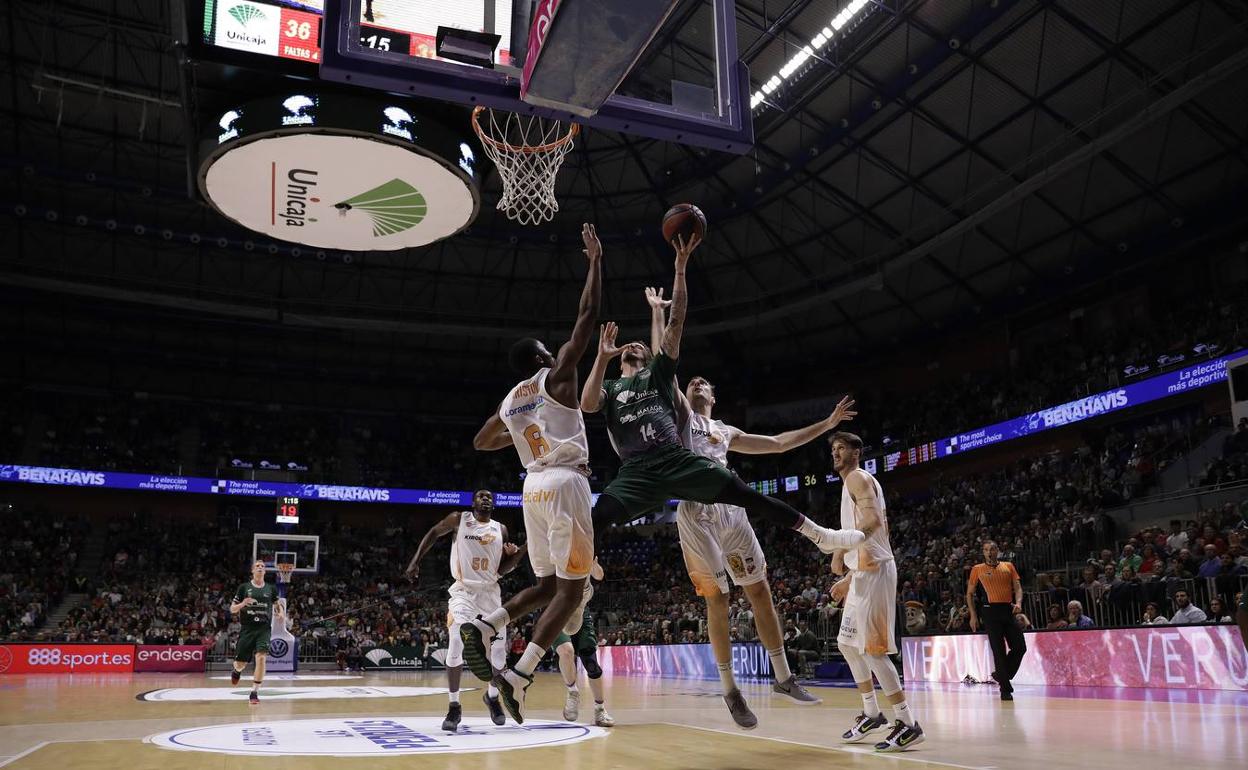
(546, 433)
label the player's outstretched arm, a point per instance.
(680, 298)
(658, 320)
(755, 444)
(592, 394)
(561, 382)
(493, 435)
(445, 526)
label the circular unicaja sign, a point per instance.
(374, 736)
(339, 192)
(338, 171)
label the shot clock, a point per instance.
(287, 510)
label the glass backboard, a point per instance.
(303, 551)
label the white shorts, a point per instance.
(869, 617)
(558, 524)
(466, 603)
(718, 542)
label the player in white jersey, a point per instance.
(541, 417)
(718, 543)
(869, 592)
(480, 554)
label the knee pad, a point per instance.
(454, 648)
(858, 665)
(592, 669)
(885, 673)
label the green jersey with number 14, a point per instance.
(641, 410)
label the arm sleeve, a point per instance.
(970, 583)
(1014, 572)
(664, 367)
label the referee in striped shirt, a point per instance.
(1004, 591)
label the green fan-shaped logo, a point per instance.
(243, 13)
(394, 207)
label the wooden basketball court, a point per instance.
(59, 722)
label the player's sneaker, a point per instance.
(572, 706)
(863, 725)
(740, 710)
(234, 677)
(254, 698)
(475, 653)
(832, 540)
(453, 715)
(790, 689)
(577, 619)
(601, 717)
(496, 708)
(511, 686)
(902, 737)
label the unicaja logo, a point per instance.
(394, 207)
(245, 13)
(399, 122)
(377, 656)
(298, 107)
(228, 129)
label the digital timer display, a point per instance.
(287, 510)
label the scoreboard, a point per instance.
(289, 29)
(287, 510)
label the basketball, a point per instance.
(685, 220)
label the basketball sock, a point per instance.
(902, 712)
(491, 691)
(529, 660)
(779, 664)
(572, 687)
(255, 685)
(725, 677)
(498, 618)
(870, 706)
(454, 696)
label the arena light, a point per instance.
(818, 42)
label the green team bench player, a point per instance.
(255, 602)
(584, 645)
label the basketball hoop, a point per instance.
(284, 571)
(528, 151)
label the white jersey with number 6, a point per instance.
(546, 433)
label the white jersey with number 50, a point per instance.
(546, 433)
(476, 552)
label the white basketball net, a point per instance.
(527, 150)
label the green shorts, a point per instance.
(251, 641)
(584, 642)
(648, 481)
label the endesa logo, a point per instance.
(66, 658)
(161, 657)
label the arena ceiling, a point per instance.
(946, 159)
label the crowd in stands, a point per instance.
(1232, 465)
(37, 560)
(148, 434)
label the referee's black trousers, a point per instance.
(1002, 632)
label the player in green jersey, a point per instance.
(645, 429)
(254, 602)
(583, 645)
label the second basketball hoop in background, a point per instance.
(528, 151)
